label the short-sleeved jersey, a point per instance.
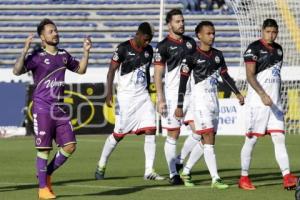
(268, 59)
(133, 73)
(49, 75)
(170, 53)
(207, 68)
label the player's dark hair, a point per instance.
(146, 28)
(201, 24)
(171, 13)
(42, 25)
(270, 23)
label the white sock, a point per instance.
(188, 146)
(109, 146)
(195, 155)
(170, 153)
(149, 149)
(281, 155)
(210, 159)
(246, 154)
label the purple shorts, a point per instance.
(52, 126)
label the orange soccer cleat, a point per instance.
(44, 193)
(289, 181)
(245, 183)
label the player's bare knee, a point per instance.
(174, 134)
(70, 148)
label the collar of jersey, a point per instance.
(205, 53)
(268, 46)
(134, 46)
(180, 41)
(48, 52)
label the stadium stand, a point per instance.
(107, 22)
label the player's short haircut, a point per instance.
(171, 13)
(42, 25)
(270, 23)
(146, 28)
(201, 24)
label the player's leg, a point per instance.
(109, 146)
(256, 123)
(172, 125)
(44, 131)
(276, 130)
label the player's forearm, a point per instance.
(110, 80)
(255, 85)
(182, 90)
(83, 63)
(230, 83)
(158, 84)
(19, 65)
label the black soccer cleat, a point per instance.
(179, 167)
(176, 180)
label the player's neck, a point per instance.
(175, 36)
(204, 47)
(50, 49)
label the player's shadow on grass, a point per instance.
(233, 179)
(33, 186)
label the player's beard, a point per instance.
(179, 31)
(52, 43)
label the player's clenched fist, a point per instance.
(178, 113)
(28, 41)
(87, 43)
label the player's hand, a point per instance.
(178, 113)
(87, 44)
(162, 108)
(266, 99)
(241, 99)
(28, 42)
(109, 99)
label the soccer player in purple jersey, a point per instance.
(48, 65)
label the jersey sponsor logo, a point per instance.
(199, 61)
(146, 54)
(189, 45)
(53, 83)
(140, 77)
(263, 52)
(47, 61)
(276, 72)
(217, 59)
(131, 54)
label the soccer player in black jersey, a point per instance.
(135, 113)
(264, 112)
(207, 65)
(167, 60)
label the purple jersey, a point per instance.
(49, 75)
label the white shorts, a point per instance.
(263, 120)
(134, 114)
(170, 122)
(206, 120)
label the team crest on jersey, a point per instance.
(189, 45)
(146, 54)
(254, 58)
(279, 52)
(115, 56)
(65, 60)
(157, 57)
(217, 59)
(185, 68)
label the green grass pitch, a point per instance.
(75, 180)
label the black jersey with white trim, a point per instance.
(268, 59)
(170, 53)
(133, 73)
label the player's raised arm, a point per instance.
(251, 78)
(19, 65)
(87, 44)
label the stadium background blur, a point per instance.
(109, 23)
